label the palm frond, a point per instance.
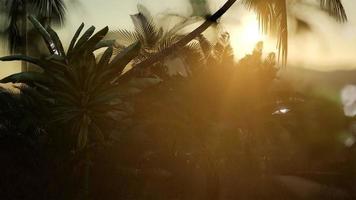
(105, 58)
(80, 88)
(166, 41)
(45, 35)
(144, 11)
(54, 10)
(123, 37)
(104, 43)
(120, 61)
(56, 41)
(85, 37)
(223, 51)
(205, 45)
(25, 77)
(193, 53)
(90, 44)
(35, 61)
(75, 38)
(335, 9)
(272, 17)
(146, 29)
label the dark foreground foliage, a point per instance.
(221, 130)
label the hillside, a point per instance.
(328, 84)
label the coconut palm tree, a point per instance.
(155, 39)
(272, 16)
(17, 29)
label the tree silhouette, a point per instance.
(155, 39)
(272, 16)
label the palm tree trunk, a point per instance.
(86, 177)
(186, 39)
(24, 28)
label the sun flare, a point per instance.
(251, 33)
(245, 36)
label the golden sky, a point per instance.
(330, 46)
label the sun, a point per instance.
(246, 35)
(251, 33)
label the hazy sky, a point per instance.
(330, 46)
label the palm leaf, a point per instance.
(104, 43)
(123, 37)
(167, 41)
(57, 42)
(124, 57)
(90, 45)
(85, 37)
(335, 9)
(54, 9)
(205, 45)
(55, 57)
(25, 77)
(75, 38)
(146, 29)
(45, 35)
(105, 96)
(83, 132)
(35, 61)
(272, 16)
(105, 59)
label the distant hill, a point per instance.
(328, 84)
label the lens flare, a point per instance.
(246, 35)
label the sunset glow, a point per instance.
(251, 33)
(245, 36)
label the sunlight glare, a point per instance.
(245, 36)
(281, 111)
(251, 33)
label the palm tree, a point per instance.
(79, 93)
(272, 16)
(154, 40)
(18, 31)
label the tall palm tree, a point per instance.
(17, 28)
(272, 16)
(153, 40)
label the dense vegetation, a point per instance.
(196, 124)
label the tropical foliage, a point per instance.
(86, 127)
(233, 130)
(206, 110)
(81, 92)
(155, 39)
(272, 16)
